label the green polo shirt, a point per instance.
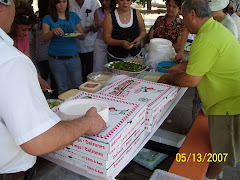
(215, 55)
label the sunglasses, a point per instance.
(26, 16)
(8, 2)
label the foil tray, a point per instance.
(122, 72)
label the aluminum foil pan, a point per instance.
(122, 72)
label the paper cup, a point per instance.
(77, 108)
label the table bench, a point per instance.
(197, 141)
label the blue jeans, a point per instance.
(62, 69)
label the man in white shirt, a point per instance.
(233, 13)
(85, 10)
(28, 128)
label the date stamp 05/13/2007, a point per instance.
(199, 157)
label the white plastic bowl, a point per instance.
(160, 41)
(74, 109)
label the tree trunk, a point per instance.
(149, 5)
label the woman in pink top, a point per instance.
(100, 57)
(23, 22)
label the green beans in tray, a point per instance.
(127, 66)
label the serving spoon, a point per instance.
(48, 90)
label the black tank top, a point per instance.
(128, 33)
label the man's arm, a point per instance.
(64, 133)
(178, 76)
(180, 79)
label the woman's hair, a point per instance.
(177, 2)
(24, 16)
(113, 5)
(200, 7)
(53, 10)
(228, 9)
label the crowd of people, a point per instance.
(76, 37)
(107, 33)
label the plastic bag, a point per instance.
(159, 50)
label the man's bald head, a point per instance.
(201, 8)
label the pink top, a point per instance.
(23, 44)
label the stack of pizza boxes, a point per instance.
(156, 96)
(106, 153)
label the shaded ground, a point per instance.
(156, 8)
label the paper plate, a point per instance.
(71, 34)
(74, 109)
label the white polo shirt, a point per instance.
(236, 19)
(24, 112)
(229, 23)
(87, 19)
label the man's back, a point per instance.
(215, 55)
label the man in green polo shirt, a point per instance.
(214, 67)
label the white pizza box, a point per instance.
(98, 153)
(92, 172)
(121, 162)
(124, 116)
(72, 155)
(150, 128)
(158, 117)
(168, 137)
(153, 95)
(149, 121)
(103, 159)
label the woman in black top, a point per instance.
(123, 30)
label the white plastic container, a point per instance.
(90, 87)
(159, 50)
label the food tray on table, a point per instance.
(150, 76)
(127, 72)
(135, 60)
(100, 77)
(53, 102)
